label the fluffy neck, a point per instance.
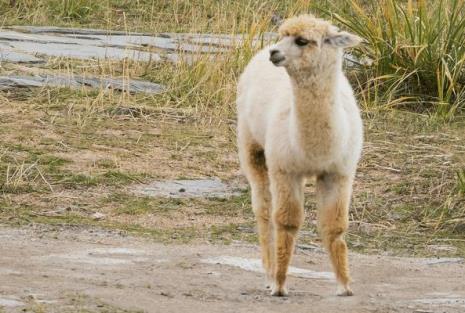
(313, 112)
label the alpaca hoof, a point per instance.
(279, 292)
(268, 282)
(345, 292)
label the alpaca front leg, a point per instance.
(287, 195)
(333, 193)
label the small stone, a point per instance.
(245, 229)
(276, 19)
(166, 294)
(307, 247)
(98, 216)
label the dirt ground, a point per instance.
(54, 269)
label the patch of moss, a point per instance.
(109, 177)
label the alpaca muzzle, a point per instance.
(276, 57)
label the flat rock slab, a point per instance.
(133, 86)
(16, 41)
(196, 188)
(50, 268)
(10, 302)
(7, 54)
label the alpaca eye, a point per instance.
(301, 41)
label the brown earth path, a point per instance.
(89, 270)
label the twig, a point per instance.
(395, 170)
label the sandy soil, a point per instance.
(88, 270)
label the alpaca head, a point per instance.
(310, 45)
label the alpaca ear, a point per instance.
(343, 40)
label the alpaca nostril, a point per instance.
(273, 52)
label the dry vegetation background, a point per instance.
(67, 154)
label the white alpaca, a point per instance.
(298, 118)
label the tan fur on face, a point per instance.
(306, 26)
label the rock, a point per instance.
(246, 230)
(78, 51)
(80, 47)
(119, 84)
(196, 188)
(74, 31)
(134, 86)
(8, 82)
(98, 216)
(7, 54)
(166, 294)
(8, 302)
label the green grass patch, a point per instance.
(135, 205)
(226, 234)
(109, 178)
(28, 169)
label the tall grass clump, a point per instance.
(416, 51)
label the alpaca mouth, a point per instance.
(277, 60)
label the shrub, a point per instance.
(417, 49)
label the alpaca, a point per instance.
(298, 118)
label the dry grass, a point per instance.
(405, 196)
(153, 15)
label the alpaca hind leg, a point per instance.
(254, 165)
(287, 195)
(333, 197)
